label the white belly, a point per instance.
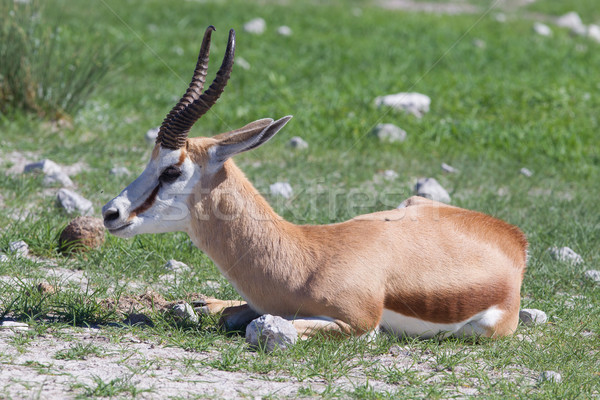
(401, 324)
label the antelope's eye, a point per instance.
(170, 174)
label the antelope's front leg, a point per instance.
(312, 326)
(235, 314)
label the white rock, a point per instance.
(185, 312)
(151, 135)
(46, 166)
(270, 332)
(448, 168)
(176, 266)
(256, 26)
(58, 177)
(531, 316)
(14, 325)
(550, 376)
(242, 63)
(526, 172)
(389, 174)
(542, 29)
(413, 103)
(4, 258)
(593, 274)
(573, 22)
(500, 17)
(430, 188)
(565, 254)
(120, 171)
(284, 30)
(282, 189)
(19, 248)
(298, 143)
(593, 32)
(73, 202)
(389, 133)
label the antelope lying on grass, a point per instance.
(422, 270)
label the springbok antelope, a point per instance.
(422, 270)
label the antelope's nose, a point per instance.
(111, 214)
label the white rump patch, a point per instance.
(401, 324)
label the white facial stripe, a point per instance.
(159, 207)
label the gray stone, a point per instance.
(449, 169)
(542, 29)
(284, 30)
(532, 316)
(176, 266)
(14, 325)
(4, 258)
(120, 171)
(256, 26)
(413, 103)
(19, 248)
(572, 21)
(45, 166)
(389, 174)
(53, 173)
(184, 311)
(593, 275)
(58, 177)
(270, 332)
(431, 189)
(73, 202)
(526, 172)
(389, 133)
(282, 189)
(565, 254)
(151, 135)
(550, 376)
(298, 143)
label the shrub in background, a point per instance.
(40, 71)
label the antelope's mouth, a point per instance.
(120, 228)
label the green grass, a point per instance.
(520, 101)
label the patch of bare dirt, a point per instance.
(458, 7)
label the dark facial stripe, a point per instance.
(146, 204)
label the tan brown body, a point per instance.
(428, 260)
(423, 270)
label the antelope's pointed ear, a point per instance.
(249, 137)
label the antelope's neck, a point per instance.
(236, 227)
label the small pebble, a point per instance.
(256, 26)
(526, 172)
(185, 311)
(542, 29)
(389, 133)
(431, 189)
(271, 332)
(284, 30)
(298, 143)
(532, 316)
(413, 103)
(282, 189)
(176, 266)
(74, 202)
(550, 376)
(19, 248)
(593, 275)
(449, 169)
(565, 254)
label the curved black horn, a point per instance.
(175, 127)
